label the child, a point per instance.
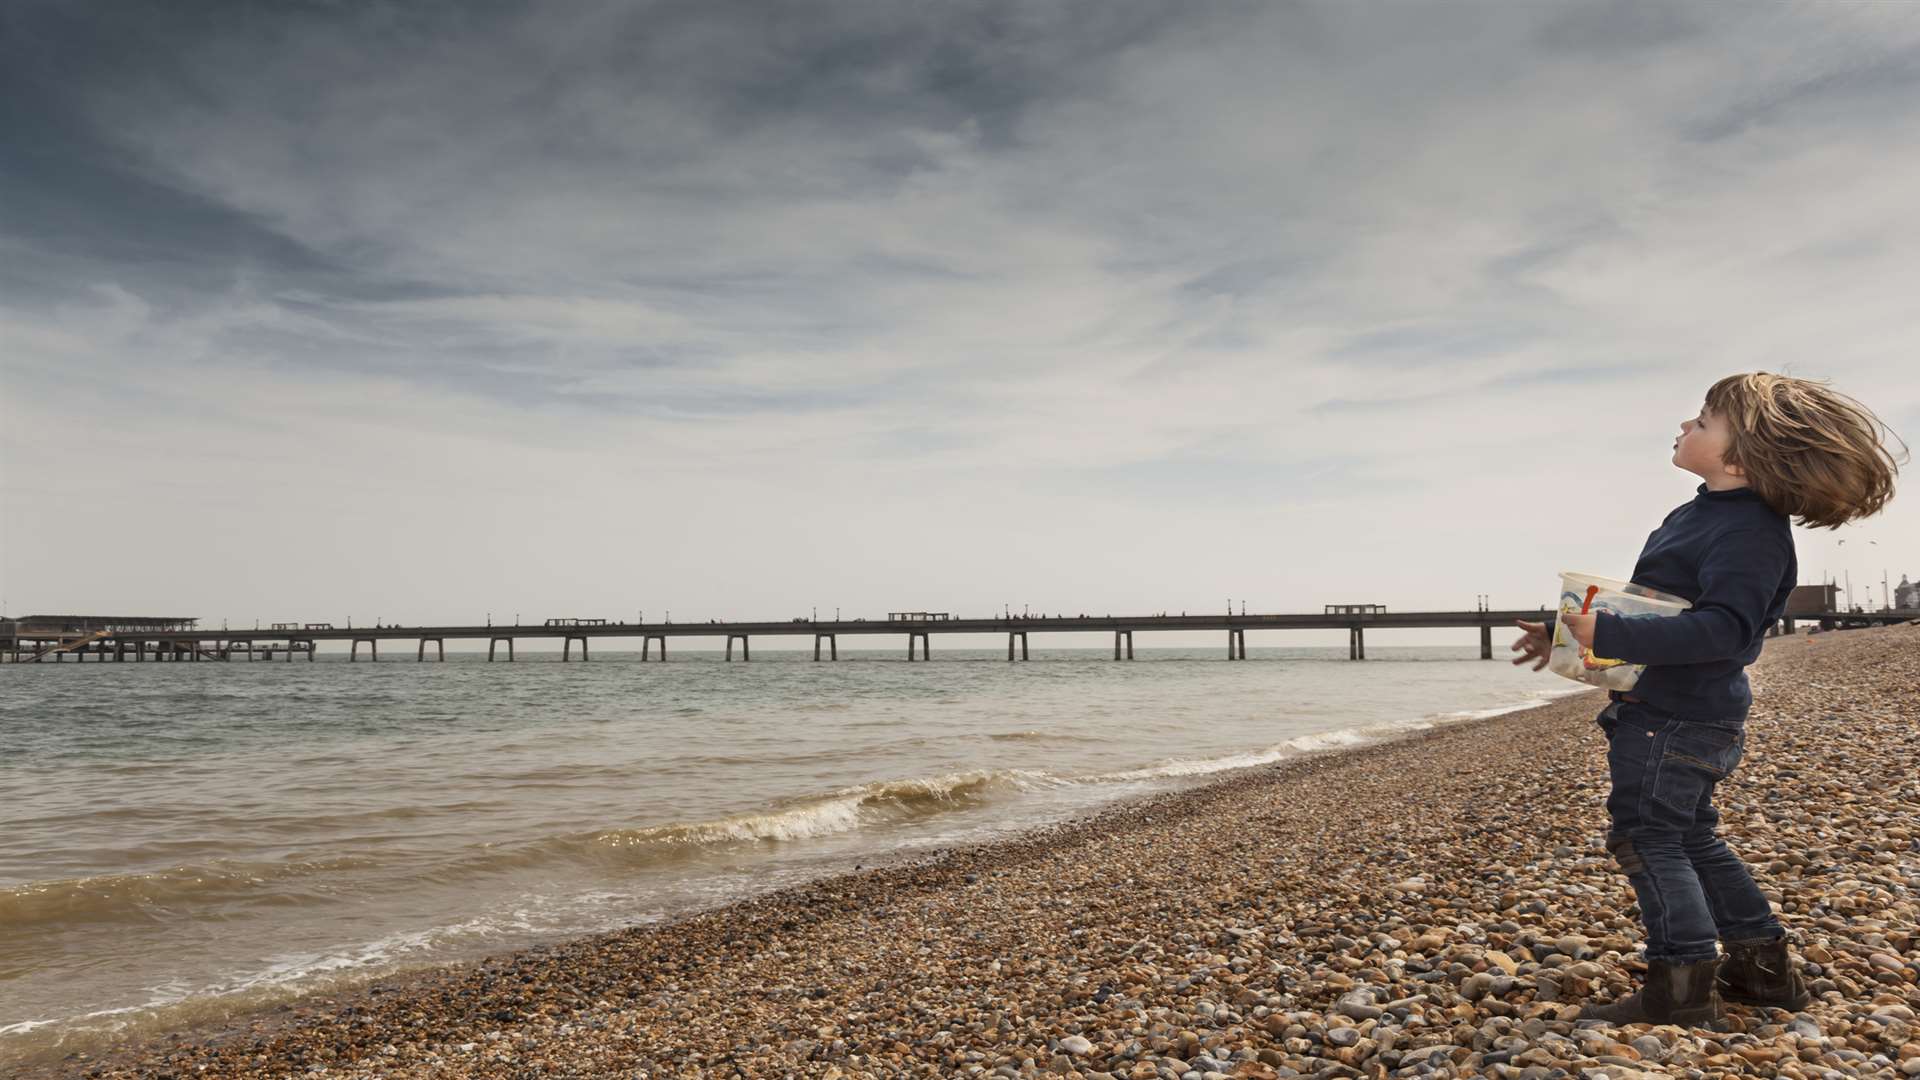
(1767, 447)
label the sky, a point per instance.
(433, 312)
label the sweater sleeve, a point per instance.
(1738, 579)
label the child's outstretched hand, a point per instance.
(1533, 645)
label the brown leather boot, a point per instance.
(1762, 973)
(1678, 994)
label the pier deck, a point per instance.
(194, 643)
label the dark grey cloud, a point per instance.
(1874, 85)
(1617, 29)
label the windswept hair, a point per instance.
(1810, 451)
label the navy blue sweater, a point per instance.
(1731, 555)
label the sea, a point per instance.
(181, 843)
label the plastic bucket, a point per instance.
(1590, 592)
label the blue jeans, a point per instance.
(1693, 889)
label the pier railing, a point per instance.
(288, 641)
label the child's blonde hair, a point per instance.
(1810, 451)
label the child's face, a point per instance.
(1701, 450)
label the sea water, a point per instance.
(181, 842)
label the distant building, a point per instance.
(1906, 595)
(1812, 600)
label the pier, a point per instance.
(176, 640)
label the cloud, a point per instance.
(1081, 264)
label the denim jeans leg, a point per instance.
(1740, 910)
(1657, 777)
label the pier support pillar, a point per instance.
(833, 646)
(312, 648)
(746, 650)
(647, 642)
(442, 644)
(1486, 643)
(373, 647)
(1789, 627)
(566, 648)
(1117, 636)
(493, 643)
(1236, 644)
(1356, 643)
(1022, 635)
(926, 644)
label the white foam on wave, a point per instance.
(1327, 740)
(289, 974)
(1537, 699)
(25, 1026)
(1191, 767)
(843, 810)
(1246, 759)
(1313, 742)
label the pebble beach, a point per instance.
(1438, 905)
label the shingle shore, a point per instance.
(1434, 906)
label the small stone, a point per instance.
(1574, 945)
(1077, 1045)
(1358, 1005)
